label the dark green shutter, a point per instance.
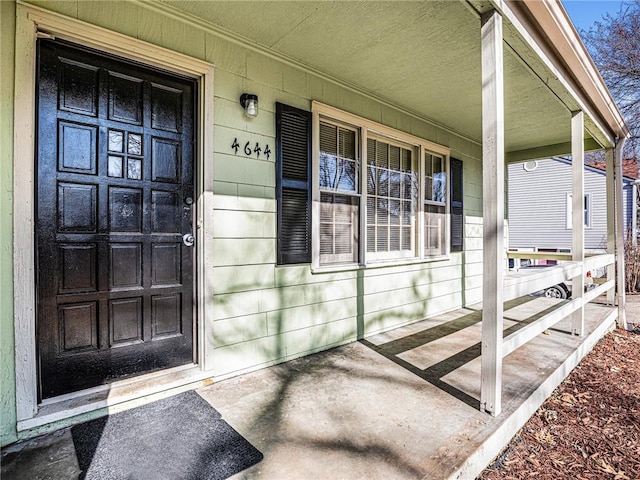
(457, 217)
(293, 184)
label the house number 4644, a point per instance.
(250, 149)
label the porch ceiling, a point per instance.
(421, 56)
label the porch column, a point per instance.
(577, 207)
(620, 291)
(611, 220)
(492, 211)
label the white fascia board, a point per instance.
(563, 39)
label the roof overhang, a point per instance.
(423, 59)
(551, 22)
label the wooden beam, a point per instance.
(532, 330)
(577, 207)
(592, 262)
(594, 293)
(527, 281)
(24, 310)
(611, 219)
(538, 153)
(493, 167)
(617, 163)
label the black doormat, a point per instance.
(180, 437)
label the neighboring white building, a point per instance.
(539, 205)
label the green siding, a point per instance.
(263, 313)
(7, 357)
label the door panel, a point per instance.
(114, 167)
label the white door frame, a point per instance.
(31, 23)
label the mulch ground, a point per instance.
(590, 427)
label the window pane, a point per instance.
(326, 208)
(346, 143)
(406, 160)
(437, 164)
(428, 188)
(338, 228)
(395, 178)
(394, 158)
(115, 166)
(346, 175)
(371, 180)
(407, 213)
(434, 222)
(440, 187)
(435, 179)
(409, 185)
(382, 211)
(382, 154)
(371, 211)
(428, 165)
(382, 244)
(115, 141)
(394, 212)
(383, 182)
(390, 181)
(134, 169)
(338, 169)
(327, 170)
(134, 146)
(343, 239)
(329, 138)
(406, 238)
(371, 239)
(394, 238)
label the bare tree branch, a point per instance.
(614, 44)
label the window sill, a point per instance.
(377, 264)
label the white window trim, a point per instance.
(367, 127)
(32, 21)
(569, 211)
(402, 255)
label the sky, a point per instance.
(584, 13)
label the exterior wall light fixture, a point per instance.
(249, 102)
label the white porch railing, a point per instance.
(526, 281)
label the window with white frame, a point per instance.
(368, 180)
(338, 182)
(587, 211)
(391, 199)
(435, 203)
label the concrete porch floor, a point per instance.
(398, 405)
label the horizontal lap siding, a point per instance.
(262, 313)
(472, 253)
(537, 206)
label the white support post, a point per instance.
(611, 220)
(493, 211)
(620, 291)
(577, 207)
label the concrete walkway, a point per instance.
(399, 405)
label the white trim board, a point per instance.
(29, 21)
(491, 447)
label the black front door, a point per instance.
(114, 200)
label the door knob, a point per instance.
(188, 239)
